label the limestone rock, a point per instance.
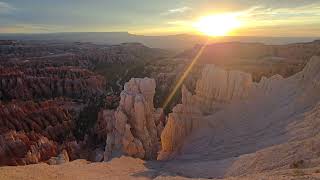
(181, 122)
(62, 158)
(279, 115)
(73, 149)
(19, 148)
(134, 128)
(214, 89)
(217, 86)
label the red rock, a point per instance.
(29, 83)
(19, 148)
(48, 118)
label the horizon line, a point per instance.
(164, 35)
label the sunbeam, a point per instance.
(184, 75)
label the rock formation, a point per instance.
(29, 84)
(216, 88)
(278, 115)
(62, 158)
(50, 89)
(19, 148)
(134, 128)
(260, 60)
(33, 132)
(50, 118)
(181, 122)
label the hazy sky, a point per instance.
(259, 18)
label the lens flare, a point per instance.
(184, 75)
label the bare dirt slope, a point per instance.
(121, 168)
(128, 168)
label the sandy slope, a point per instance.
(127, 168)
(119, 168)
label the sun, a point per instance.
(217, 25)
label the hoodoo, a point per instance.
(136, 127)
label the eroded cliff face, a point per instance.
(19, 148)
(134, 128)
(215, 88)
(218, 88)
(277, 115)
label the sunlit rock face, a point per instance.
(275, 115)
(182, 121)
(218, 86)
(215, 88)
(134, 128)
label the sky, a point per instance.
(159, 17)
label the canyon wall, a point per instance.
(215, 88)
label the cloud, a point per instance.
(6, 8)
(262, 16)
(180, 10)
(177, 10)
